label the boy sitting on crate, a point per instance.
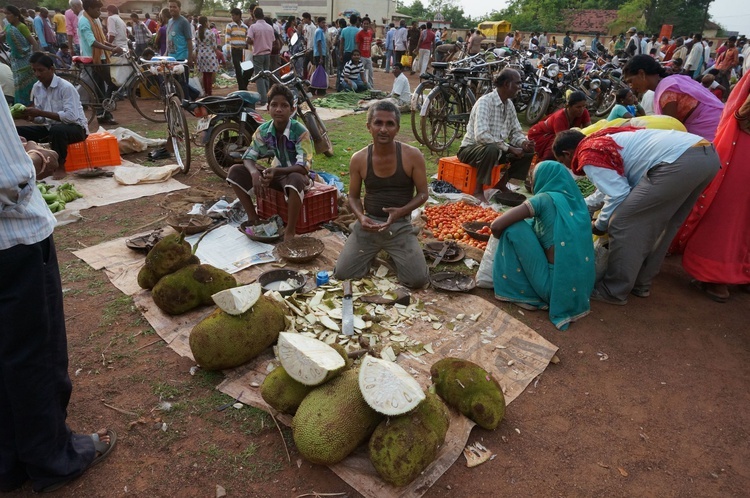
(285, 144)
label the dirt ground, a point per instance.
(649, 399)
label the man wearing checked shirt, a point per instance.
(236, 34)
(494, 136)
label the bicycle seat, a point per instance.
(83, 60)
(287, 78)
(251, 98)
(439, 65)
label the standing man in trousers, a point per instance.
(236, 34)
(261, 35)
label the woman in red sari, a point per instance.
(716, 235)
(573, 115)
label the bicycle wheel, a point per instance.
(440, 125)
(318, 133)
(179, 136)
(417, 99)
(149, 97)
(89, 101)
(226, 146)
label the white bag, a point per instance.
(195, 82)
(120, 72)
(484, 274)
(601, 256)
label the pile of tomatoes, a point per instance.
(445, 222)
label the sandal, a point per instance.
(160, 153)
(93, 173)
(103, 450)
(705, 287)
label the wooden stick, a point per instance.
(149, 344)
(281, 433)
(124, 412)
(136, 230)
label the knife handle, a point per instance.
(347, 288)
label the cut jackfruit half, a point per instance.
(307, 360)
(388, 388)
(238, 300)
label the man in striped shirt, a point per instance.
(354, 73)
(236, 35)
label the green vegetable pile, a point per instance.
(342, 100)
(56, 200)
(586, 187)
(17, 110)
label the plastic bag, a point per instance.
(319, 80)
(601, 256)
(120, 70)
(195, 82)
(484, 274)
(407, 60)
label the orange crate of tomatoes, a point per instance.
(445, 221)
(463, 176)
(319, 206)
(99, 149)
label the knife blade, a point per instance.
(347, 310)
(440, 256)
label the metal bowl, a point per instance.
(452, 281)
(473, 227)
(258, 238)
(279, 280)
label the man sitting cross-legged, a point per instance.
(57, 111)
(395, 183)
(286, 144)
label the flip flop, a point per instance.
(702, 286)
(160, 153)
(103, 450)
(93, 173)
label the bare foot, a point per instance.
(59, 174)
(288, 235)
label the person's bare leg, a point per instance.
(479, 193)
(247, 203)
(294, 206)
(502, 183)
(59, 173)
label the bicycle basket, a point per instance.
(229, 105)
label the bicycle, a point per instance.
(177, 127)
(143, 88)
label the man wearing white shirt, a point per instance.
(400, 40)
(401, 92)
(117, 31)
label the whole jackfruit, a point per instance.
(168, 255)
(222, 340)
(470, 389)
(282, 392)
(190, 287)
(333, 420)
(402, 447)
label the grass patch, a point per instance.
(76, 271)
(120, 305)
(165, 391)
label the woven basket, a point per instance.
(300, 249)
(190, 223)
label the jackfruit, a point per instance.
(470, 389)
(168, 255)
(402, 447)
(190, 287)
(333, 420)
(282, 392)
(222, 341)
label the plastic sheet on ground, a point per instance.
(510, 350)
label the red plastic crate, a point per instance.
(99, 149)
(320, 205)
(462, 176)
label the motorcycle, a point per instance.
(225, 127)
(303, 106)
(548, 84)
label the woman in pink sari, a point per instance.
(716, 235)
(677, 95)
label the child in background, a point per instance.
(626, 107)
(65, 58)
(354, 74)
